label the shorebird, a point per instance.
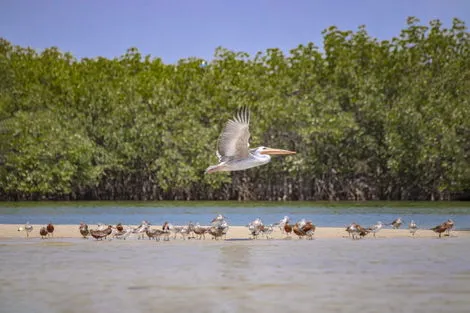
(218, 229)
(141, 229)
(43, 232)
(119, 227)
(362, 231)
(255, 227)
(450, 226)
(100, 234)
(356, 231)
(287, 229)
(439, 229)
(175, 229)
(218, 219)
(124, 234)
(153, 233)
(83, 228)
(184, 230)
(27, 227)
(285, 220)
(50, 229)
(200, 231)
(233, 147)
(413, 228)
(304, 228)
(376, 228)
(351, 229)
(267, 230)
(396, 224)
(157, 233)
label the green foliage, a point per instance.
(369, 119)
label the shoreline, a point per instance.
(10, 231)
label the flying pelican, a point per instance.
(233, 147)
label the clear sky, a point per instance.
(175, 29)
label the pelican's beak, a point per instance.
(276, 151)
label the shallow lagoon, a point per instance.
(331, 275)
(326, 214)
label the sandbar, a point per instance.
(234, 232)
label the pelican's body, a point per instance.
(233, 147)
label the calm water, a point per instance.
(424, 213)
(326, 275)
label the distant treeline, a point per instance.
(369, 119)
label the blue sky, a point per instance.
(175, 29)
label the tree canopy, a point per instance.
(369, 119)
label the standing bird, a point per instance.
(28, 228)
(255, 227)
(83, 228)
(119, 227)
(233, 147)
(413, 228)
(100, 234)
(43, 232)
(396, 223)
(288, 229)
(141, 229)
(282, 223)
(439, 229)
(376, 228)
(450, 226)
(304, 228)
(50, 229)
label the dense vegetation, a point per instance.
(369, 119)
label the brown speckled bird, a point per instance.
(50, 229)
(43, 232)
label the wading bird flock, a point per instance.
(219, 227)
(356, 231)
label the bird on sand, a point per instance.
(413, 228)
(396, 224)
(83, 228)
(50, 229)
(233, 147)
(27, 227)
(43, 232)
(376, 228)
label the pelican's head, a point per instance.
(272, 151)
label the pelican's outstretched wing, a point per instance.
(233, 141)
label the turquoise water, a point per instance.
(426, 214)
(324, 275)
